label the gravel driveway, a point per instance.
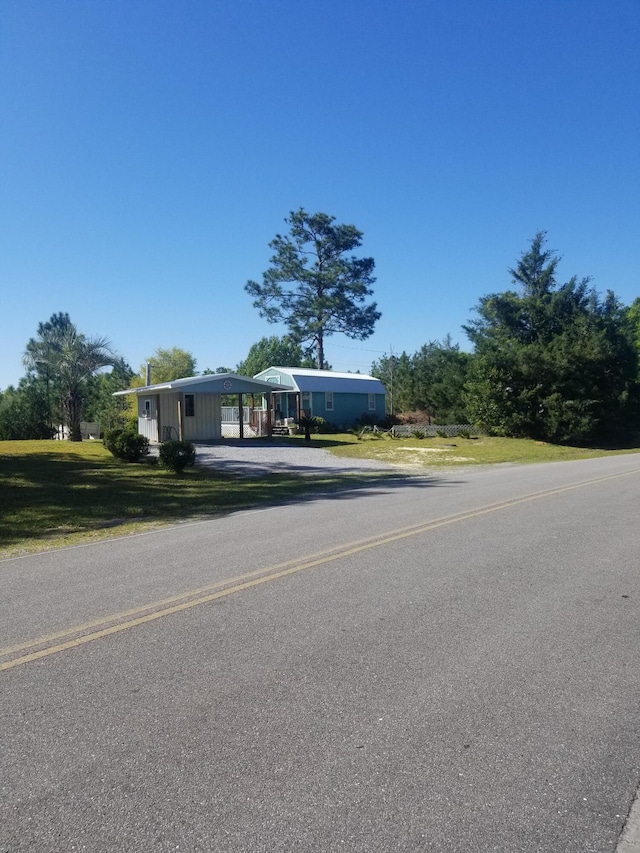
(251, 458)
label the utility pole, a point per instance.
(391, 378)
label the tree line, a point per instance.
(552, 361)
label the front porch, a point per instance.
(281, 416)
(288, 407)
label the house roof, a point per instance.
(211, 383)
(307, 379)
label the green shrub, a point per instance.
(315, 425)
(176, 455)
(442, 433)
(323, 427)
(126, 444)
(419, 433)
(307, 426)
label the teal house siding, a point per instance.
(347, 408)
(275, 375)
(355, 396)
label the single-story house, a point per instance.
(192, 409)
(339, 398)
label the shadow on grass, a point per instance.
(45, 496)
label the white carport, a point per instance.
(190, 409)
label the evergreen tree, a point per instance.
(632, 314)
(100, 404)
(553, 362)
(39, 358)
(396, 374)
(24, 411)
(431, 381)
(315, 286)
(439, 375)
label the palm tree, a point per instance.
(68, 358)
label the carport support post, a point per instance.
(158, 412)
(180, 424)
(241, 415)
(269, 407)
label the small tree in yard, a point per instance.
(307, 425)
(315, 286)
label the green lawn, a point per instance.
(437, 453)
(54, 494)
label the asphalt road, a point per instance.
(448, 664)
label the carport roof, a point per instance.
(211, 383)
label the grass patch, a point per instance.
(438, 452)
(58, 493)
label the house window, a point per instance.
(372, 402)
(305, 404)
(189, 405)
(146, 410)
(328, 401)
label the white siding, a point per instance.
(169, 414)
(148, 417)
(205, 426)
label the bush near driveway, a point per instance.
(127, 444)
(177, 455)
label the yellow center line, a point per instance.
(212, 592)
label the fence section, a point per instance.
(254, 422)
(432, 430)
(88, 429)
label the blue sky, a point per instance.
(151, 150)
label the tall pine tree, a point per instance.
(315, 286)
